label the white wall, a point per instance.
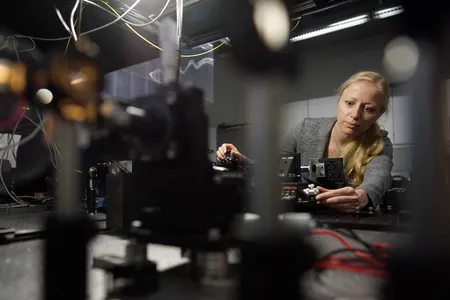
(321, 73)
(395, 121)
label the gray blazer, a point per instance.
(311, 137)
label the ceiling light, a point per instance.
(352, 22)
(349, 20)
(388, 12)
(333, 28)
(359, 20)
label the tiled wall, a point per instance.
(396, 122)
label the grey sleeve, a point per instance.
(377, 175)
(288, 143)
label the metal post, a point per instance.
(179, 31)
(263, 106)
(69, 231)
(431, 205)
(428, 252)
(68, 188)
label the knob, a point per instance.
(93, 173)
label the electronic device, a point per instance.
(395, 200)
(328, 172)
(298, 181)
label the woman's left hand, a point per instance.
(345, 199)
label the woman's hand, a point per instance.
(345, 199)
(221, 153)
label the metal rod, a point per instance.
(431, 205)
(167, 38)
(263, 104)
(179, 31)
(429, 192)
(68, 188)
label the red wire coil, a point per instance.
(376, 268)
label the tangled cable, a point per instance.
(369, 262)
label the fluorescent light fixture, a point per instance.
(333, 28)
(349, 20)
(388, 12)
(352, 22)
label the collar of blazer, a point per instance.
(319, 141)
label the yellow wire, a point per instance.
(296, 25)
(157, 47)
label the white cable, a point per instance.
(41, 121)
(32, 48)
(1, 165)
(116, 20)
(7, 149)
(156, 18)
(58, 13)
(8, 40)
(25, 139)
(72, 21)
(126, 21)
(84, 33)
(41, 127)
(42, 39)
(35, 198)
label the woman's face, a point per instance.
(358, 108)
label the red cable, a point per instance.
(352, 268)
(379, 248)
(366, 257)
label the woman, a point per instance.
(354, 135)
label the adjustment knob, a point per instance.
(93, 172)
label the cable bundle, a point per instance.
(40, 167)
(368, 262)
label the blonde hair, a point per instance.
(358, 153)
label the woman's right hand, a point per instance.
(221, 153)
